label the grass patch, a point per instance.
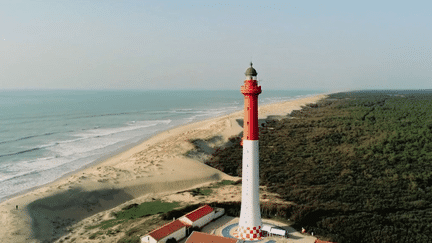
(132, 231)
(201, 191)
(133, 239)
(227, 182)
(110, 223)
(135, 211)
(146, 209)
(206, 192)
(113, 232)
(223, 183)
(93, 236)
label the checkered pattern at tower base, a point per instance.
(246, 233)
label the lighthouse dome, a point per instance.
(251, 71)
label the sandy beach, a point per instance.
(156, 168)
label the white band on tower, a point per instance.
(250, 215)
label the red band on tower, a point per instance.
(250, 90)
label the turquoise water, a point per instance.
(46, 134)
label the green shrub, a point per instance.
(171, 240)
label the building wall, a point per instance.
(148, 239)
(219, 212)
(178, 235)
(204, 220)
(279, 232)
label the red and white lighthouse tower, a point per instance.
(250, 217)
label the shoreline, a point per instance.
(152, 154)
(132, 145)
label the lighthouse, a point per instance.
(250, 217)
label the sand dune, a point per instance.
(155, 167)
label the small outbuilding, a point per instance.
(199, 237)
(175, 229)
(271, 230)
(266, 229)
(280, 232)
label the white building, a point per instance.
(175, 229)
(266, 229)
(199, 217)
(270, 231)
(280, 232)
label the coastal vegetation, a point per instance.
(171, 240)
(135, 211)
(357, 165)
(206, 191)
(135, 220)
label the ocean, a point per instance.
(47, 134)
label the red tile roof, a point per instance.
(321, 241)
(167, 229)
(199, 213)
(199, 237)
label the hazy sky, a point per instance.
(330, 45)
